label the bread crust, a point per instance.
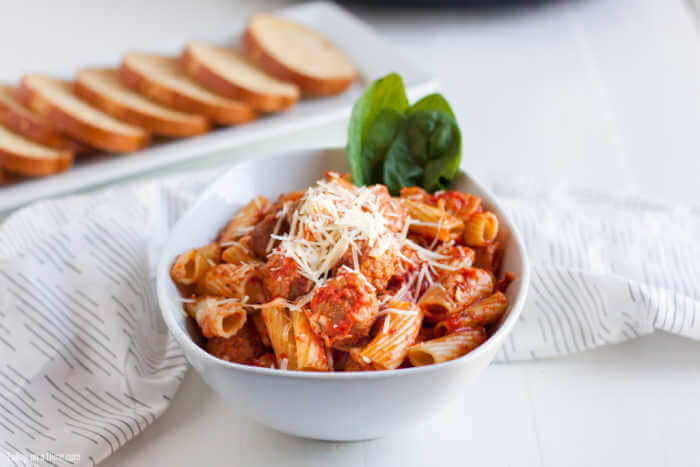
(210, 79)
(83, 131)
(233, 114)
(18, 163)
(159, 125)
(311, 85)
(37, 128)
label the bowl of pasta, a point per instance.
(331, 311)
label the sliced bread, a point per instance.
(296, 53)
(6, 178)
(104, 89)
(22, 156)
(163, 79)
(32, 125)
(233, 75)
(55, 99)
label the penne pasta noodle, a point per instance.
(211, 252)
(217, 318)
(191, 265)
(280, 329)
(481, 229)
(415, 193)
(458, 257)
(311, 353)
(469, 285)
(233, 281)
(436, 303)
(238, 253)
(446, 348)
(488, 257)
(259, 324)
(397, 332)
(460, 205)
(432, 222)
(243, 222)
(481, 313)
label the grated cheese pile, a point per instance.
(332, 219)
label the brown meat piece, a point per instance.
(282, 278)
(263, 230)
(343, 310)
(243, 347)
(377, 266)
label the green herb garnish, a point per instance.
(396, 144)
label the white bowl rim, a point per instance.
(165, 303)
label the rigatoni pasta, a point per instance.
(397, 331)
(432, 221)
(346, 278)
(311, 353)
(446, 348)
(481, 229)
(280, 330)
(217, 317)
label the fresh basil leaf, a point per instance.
(434, 141)
(400, 168)
(381, 134)
(432, 102)
(392, 143)
(387, 92)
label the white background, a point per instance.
(603, 94)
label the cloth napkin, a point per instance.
(86, 362)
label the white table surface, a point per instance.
(593, 93)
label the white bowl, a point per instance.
(329, 406)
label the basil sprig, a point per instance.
(397, 144)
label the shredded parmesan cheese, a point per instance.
(331, 220)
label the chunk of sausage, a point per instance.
(378, 264)
(262, 232)
(282, 278)
(242, 347)
(343, 310)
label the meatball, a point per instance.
(282, 278)
(377, 264)
(262, 232)
(343, 310)
(242, 347)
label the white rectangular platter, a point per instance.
(372, 56)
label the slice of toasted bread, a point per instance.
(25, 157)
(104, 89)
(296, 53)
(6, 178)
(55, 99)
(233, 75)
(32, 125)
(163, 79)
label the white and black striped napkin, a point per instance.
(86, 362)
